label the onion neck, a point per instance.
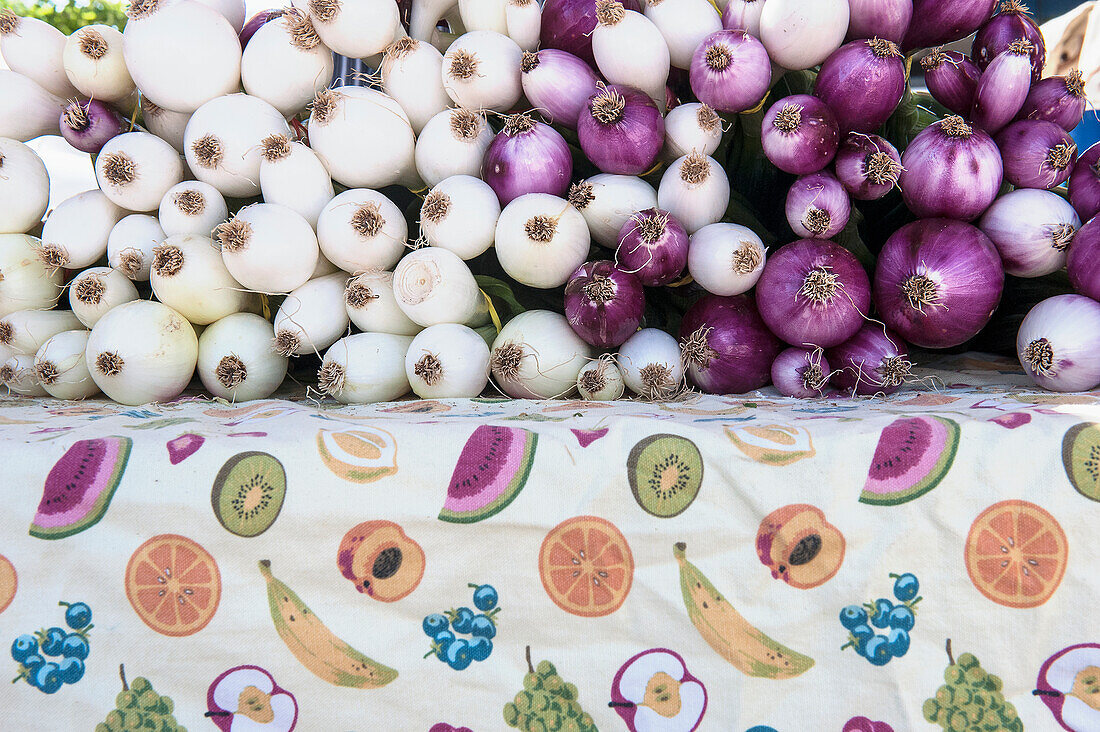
(429, 368)
(1040, 355)
(718, 58)
(695, 169)
(599, 289)
(529, 62)
(820, 285)
(956, 127)
(789, 118)
(608, 107)
(920, 291)
(231, 371)
(696, 350)
(1061, 236)
(1075, 84)
(651, 229)
(817, 221)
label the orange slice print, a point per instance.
(173, 584)
(586, 566)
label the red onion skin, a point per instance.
(953, 81)
(1070, 325)
(851, 165)
(936, 22)
(1026, 226)
(604, 324)
(1024, 147)
(809, 147)
(822, 191)
(568, 25)
(256, 22)
(862, 88)
(104, 122)
(660, 262)
(799, 320)
(950, 177)
(1050, 99)
(1083, 263)
(535, 161)
(887, 19)
(998, 33)
(857, 361)
(559, 86)
(1001, 91)
(788, 368)
(1084, 183)
(742, 348)
(740, 86)
(629, 146)
(964, 265)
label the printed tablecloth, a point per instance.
(704, 562)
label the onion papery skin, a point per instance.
(743, 15)
(936, 22)
(789, 373)
(527, 157)
(256, 22)
(887, 19)
(657, 262)
(1083, 262)
(800, 134)
(603, 305)
(1002, 90)
(98, 123)
(832, 316)
(727, 347)
(568, 25)
(628, 145)
(863, 82)
(873, 361)
(1084, 183)
(867, 166)
(1012, 23)
(1057, 99)
(818, 206)
(744, 80)
(950, 170)
(952, 79)
(557, 84)
(1032, 230)
(1058, 343)
(1036, 154)
(937, 282)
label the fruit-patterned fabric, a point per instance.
(922, 561)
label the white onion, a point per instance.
(24, 187)
(630, 50)
(692, 127)
(798, 34)
(412, 73)
(683, 24)
(18, 375)
(189, 275)
(481, 71)
(136, 169)
(453, 142)
(268, 248)
(537, 355)
(143, 351)
(26, 109)
(161, 34)
(608, 201)
(524, 21)
(24, 331)
(651, 364)
(95, 64)
(26, 283)
(236, 361)
(164, 123)
(223, 141)
(483, 15)
(695, 190)
(361, 229)
(95, 291)
(726, 259)
(35, 48)
(372, 306)
(1059, 342)
(363, 137)
(61, 367)
(131, 242)
(292, 175)
(447, 361)
(312, 317)
(191, 207)
(460, 213)
(541, 240)
(75, 233)
(600, 380)
(232, 10)
(433, 285)
(365, 368)
(285, 63)
(1032, 229)
(424, 16)
(355, 28)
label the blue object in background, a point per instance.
(349, 71)
(1087, 133)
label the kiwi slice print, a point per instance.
(665, 473)
(248, 493)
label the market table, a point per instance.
(585, 524)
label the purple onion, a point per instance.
(653, 245)
(1057, 99)
(800, 134)
(818, 206)
(1058, 343)
(603, 305)
(950, 169)
(1083, 262)
(730, 71)
(863, 81)
(1084, 183)
(621, 130)
(888, 19)
(88, 125)
(813, 293)
(800, 372)
(256, 22)
(1011, 23)
(873, 361)
(726, 346)
(1002, 88)
(557, 84)
(867, 166)
(1036, 154)
(1031, 229)
(743, 15)
(527, 157)
(952, 79)
(937, 282)
(936, 22)
(568, 25)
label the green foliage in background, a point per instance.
(70, 16)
